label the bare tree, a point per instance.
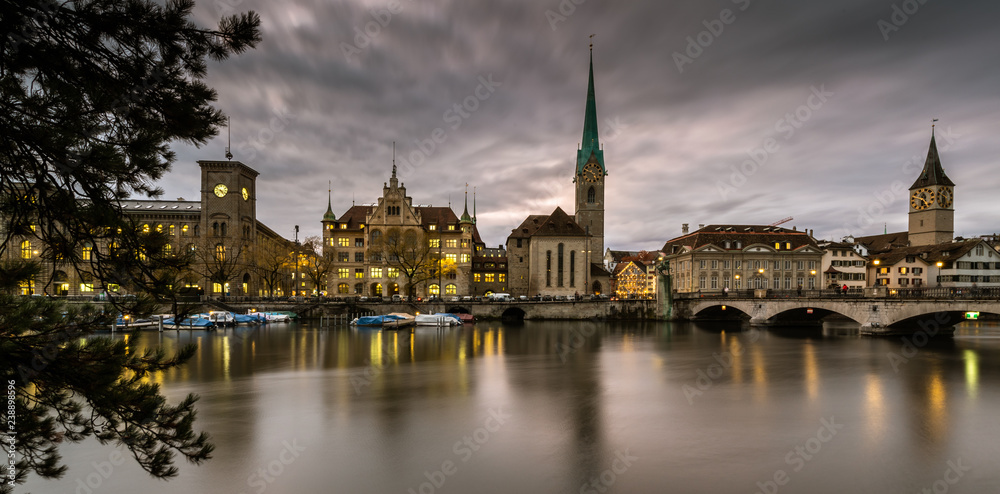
(317, 262)
(271, 262)
(410, 252)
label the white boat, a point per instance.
(438, 320)
(221, 318)
(276, 317)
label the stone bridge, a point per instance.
(875, 315)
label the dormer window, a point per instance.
(432, 227)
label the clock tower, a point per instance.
(932, 213)
(590, 175)
(228, 202)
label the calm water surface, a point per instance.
(574, 407)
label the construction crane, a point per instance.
(781, 222)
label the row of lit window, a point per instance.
(489, 277)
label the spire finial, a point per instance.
(592, 42)
(932, 125)
(474, 204)
(393, 159)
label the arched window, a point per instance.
(591, 196)
(220, 252)
(342, 288)
(359, 288)
(375, 235)
(215, 229)
(377, 289)
(450, 289)
(197, 230)
(434, 289)
(223, 229)
(559, 266)
(572, 268)
(548, 268)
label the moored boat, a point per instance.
(441, 319)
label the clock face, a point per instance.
(922, 199)
(592, 173)
(221, 190)
(945, 198)
(246, 194)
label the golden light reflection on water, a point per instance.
(875, 412)
(811, 372)
(225, 357)
(937, 397)
(971, 373)
(737, 349)
(759, 374)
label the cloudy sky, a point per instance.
(720, 111)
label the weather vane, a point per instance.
(592, 42)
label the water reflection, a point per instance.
(377, 410)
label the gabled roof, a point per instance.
(933, 173)
(619, 255)
(436, 215)
(884, 242)
(597, 269)
(930, 254)
(355, 217)
(746, 235)
(528, 227)
(559, 224)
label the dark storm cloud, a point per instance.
(304, 112)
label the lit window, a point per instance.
(342, 288)
(86, 287)
(502, 277)
(184, 230)
(451, 257)
(393, 272)
(87, 252)
(451, 243)
(434, 289)
(376, 272)
(343, 226)
(145, 228)
(432, 227)
(465, 258)
(450, 289)
(476, 277)
(172, 230)
(344, 242)
(450, 227)
(359, 273)
(159, 228)
(434, 243)
(343, 273)
(220, 253)
(490, 277)
(26, 249)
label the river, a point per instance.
(573, 407)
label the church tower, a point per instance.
(590, 175)
(932, 213)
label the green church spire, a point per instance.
(590, 145)
(465, 214)
(329, 216)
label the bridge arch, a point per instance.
(513, 315)
(458, 310)
(721, 311)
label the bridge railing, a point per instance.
(935, 293)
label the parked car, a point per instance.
(523, 298)
(546, 298)
(456, 298)
(467, 298)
